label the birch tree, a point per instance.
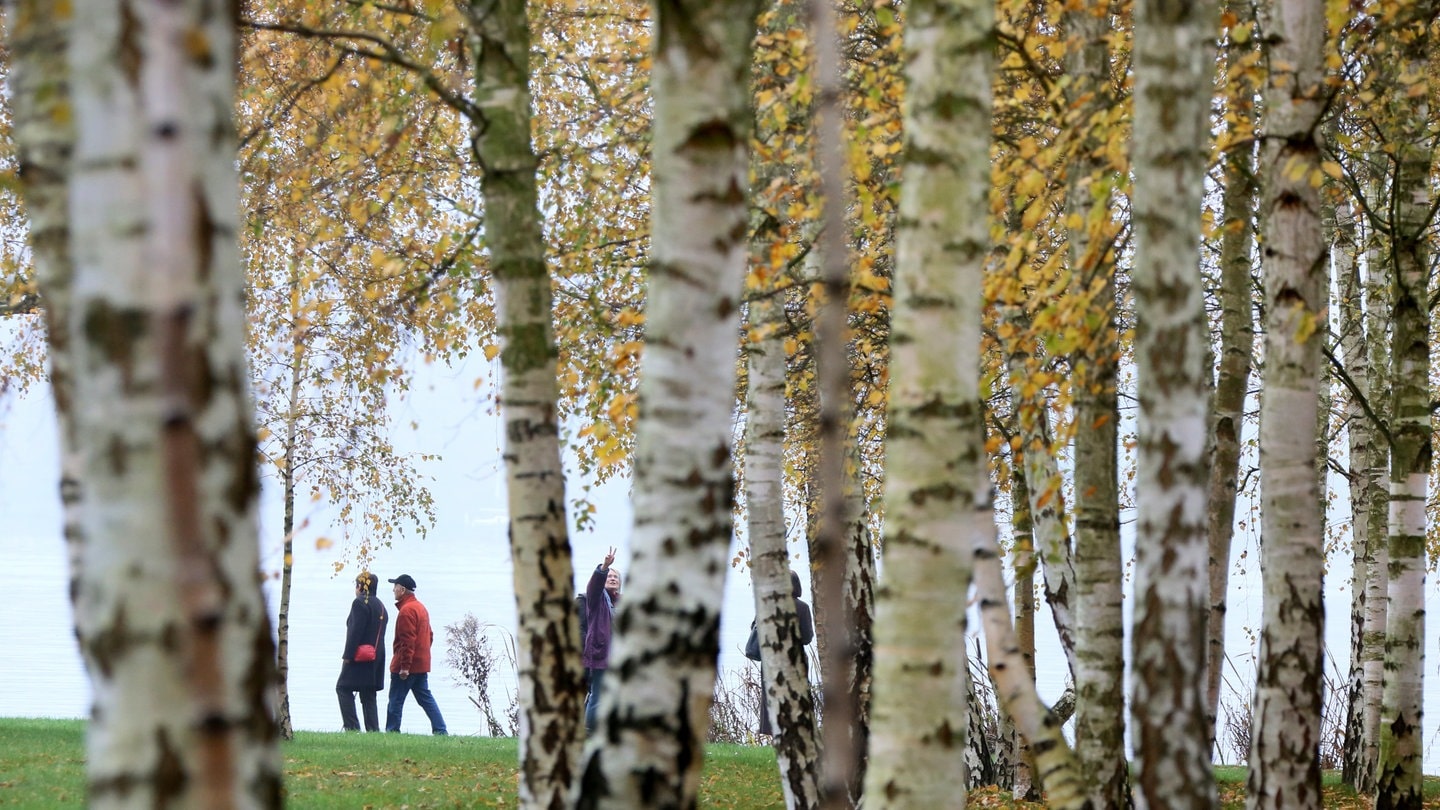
(1377, 580)
(1170, 721)
(1285, 746)
(654, 710)
(550, 689)
(168, 606)
(1413, 141)
(783, 661)
(1377, 509)
(842, 540)
(1237, 331)
(1099, 569)
(1058, 770)
(1350, 341)
(937, 489)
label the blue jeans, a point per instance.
(592, 701)
(419, 683)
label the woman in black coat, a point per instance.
(366, 625)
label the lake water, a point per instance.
(463, 566)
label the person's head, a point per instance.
(794, 584)
(612, 582)
(403, 584)
(366, 584)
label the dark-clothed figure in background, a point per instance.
(410, 666)
(602, 594)
(365, 625)
(807, 634)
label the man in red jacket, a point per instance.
(410, 663)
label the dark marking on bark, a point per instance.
(115, 332)
(171, 776)
(128, 45)
(715, 134)
(117, 455)
(112, 642)
(198, 46)
(245, 483)
(205, 232)
(676, 28)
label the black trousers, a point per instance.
(367, 705)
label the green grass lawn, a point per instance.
(42, 766)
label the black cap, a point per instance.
(406, 580)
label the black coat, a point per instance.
(367, 623)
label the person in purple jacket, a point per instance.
(602, 594)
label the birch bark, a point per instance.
(1023, 560)
(1170, 733)
(1046, 499)
(1377, 581)
(846, 588)
(551, 695)
(1399, 774)
(1285, 746)
(174, 632)
(1099, 570)
(1059, 772)
(936, 496)
(655, 706)
(784, 663)
(1359, 433)
(1237, 343)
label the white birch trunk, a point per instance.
(1237, 345)
(1285, 746)
(1399, 775)
(860, 578)
(1377, 581)
(1351, 342)
(1359, 432)
(298, 367)
(1377, 523)
(1058, 770)
(936, 495)
(655, 706)
(551, 694)
(1170, 720)
(1099, 656)
(1047, 499)
(174, 631)
(784, 662)
(1022, 594)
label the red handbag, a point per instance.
(365, 653)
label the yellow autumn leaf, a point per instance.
(490, 350)
(1309, 323)
(1030, 184)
